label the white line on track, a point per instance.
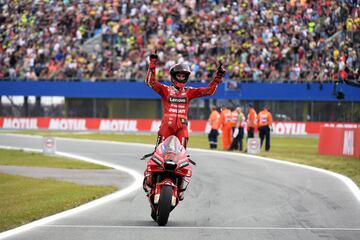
(119, 194)
(137, 183)
(354, 189)
(203, 227)
(347, 181)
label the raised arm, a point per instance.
(211, 88)
(150, 78)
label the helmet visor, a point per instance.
(182, 77)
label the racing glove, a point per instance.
(150, 75)
(153, 60)
(219, 74)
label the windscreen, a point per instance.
(172, 148)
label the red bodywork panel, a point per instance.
(171, 149)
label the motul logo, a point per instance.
(290, 128)
(155, 125)
(177, 100)
(118, 125)
(68, 124)
(348, 147)
(20, 123)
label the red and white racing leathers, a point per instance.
(176, 105)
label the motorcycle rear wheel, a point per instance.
(164, 207)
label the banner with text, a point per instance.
(339, 141)
(148, 125)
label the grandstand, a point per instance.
(310, 43)
(256, 40)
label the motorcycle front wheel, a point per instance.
(164, 207)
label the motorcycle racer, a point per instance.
(176, 98)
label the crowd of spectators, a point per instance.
(257, 40)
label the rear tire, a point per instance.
(164, 207)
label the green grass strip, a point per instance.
(31, 159)
(25, 199)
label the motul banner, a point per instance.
(148, 125)
(339, 141)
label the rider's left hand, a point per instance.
(220, 71)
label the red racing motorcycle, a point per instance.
(167, 176)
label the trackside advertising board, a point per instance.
(339, 141)
(148, 125)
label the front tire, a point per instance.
(164, 207)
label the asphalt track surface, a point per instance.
(230, 197)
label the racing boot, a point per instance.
(147, 185)
(181, 194)
(153, 214)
